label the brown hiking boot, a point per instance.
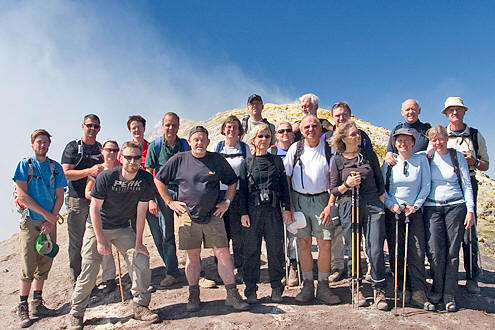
(325, 295)
(336, 276)
(293, 280)
(23, 314)
(362, 302)
(234, 299)
(143, 313)
(169, 280)
(193, 300)
(419, 300)
(307, 293)
(75, 322)
(380, 300)
(38, 309)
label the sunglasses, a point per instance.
(264, 136)
(129, 158)
(353, 134)
(111, 149)
(406, 168)
(95, 126)
(284, 130)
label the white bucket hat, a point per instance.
(298, 223)
(453, 101)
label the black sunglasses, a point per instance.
(284, 130)
(129, 158)
(264, 136)
(95, 126)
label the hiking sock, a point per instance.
(23, 298)
(307, 276)
(36, 295)
(323, 276)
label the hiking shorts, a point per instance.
(33, 264)
(211, 234)
(312, 206)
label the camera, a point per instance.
(264, 195)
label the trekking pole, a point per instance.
(120, 277)
(471, 252)
(405, 267)
(287, 263)
(396, 275)
(358, 245)
(298, 267)
(353, 245)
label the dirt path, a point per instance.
(106, 311)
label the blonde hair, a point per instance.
(340, 133)
(254, 133)
(436, 131)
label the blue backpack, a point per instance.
(158, 144)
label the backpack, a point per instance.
(158, 145)
(249, 167)
(54, 171)
(80, 151)
(244, 123)
(455, 163)
(387, 177)
(221, 144)
(299, 150)
(473, 135)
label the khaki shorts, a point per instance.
(33, 265)
(312, 206)
(211, 234)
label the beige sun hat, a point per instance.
(453, 101)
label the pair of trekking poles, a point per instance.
(396, 288)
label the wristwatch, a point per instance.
(227, 201)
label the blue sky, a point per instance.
(62, 59)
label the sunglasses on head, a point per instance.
(129, 158)
(264, 136)
(95, 126)
(284, 130)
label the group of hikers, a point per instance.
(258, 180)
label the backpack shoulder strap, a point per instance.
(273, 150)
(328, 152)
(397, 127)
(158, 145)
(80, 151)
(387, 177)
(53, 171)
(473, 135)
(339, 162)
(455, 163)
(244, 123)
(30, 169)
(299, 150)
(185, 145)
(219, 146)
(243, 149)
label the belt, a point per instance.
(444, 202)
(311, 195)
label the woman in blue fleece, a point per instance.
(407, 185)
(448, 210)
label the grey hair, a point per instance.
(415, 101)
(314, 99)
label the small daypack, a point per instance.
(221, 144)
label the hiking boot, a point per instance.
(193, 300)
(418, 299)
(252, 298)
(362, 302)
(325, 295)
(380, 300)
(23, 314)
(293, 279)
(472, 287)
(277, 294)
(239, 274)
(336, 276)
(110, 285)
(143, 313)
(169, 280)
(434, 297)
(234, 299)
(206, 283)
(38, 309)
(75, 322)
(449, 302)
(307, 293)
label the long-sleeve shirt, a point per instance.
(409, 184)
(445, 184)
(264, 175)
(372, 185)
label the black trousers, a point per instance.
(416, 274)
(372, 222)
(266, 221)
(444, 227)
(472, 257)
(233, 227)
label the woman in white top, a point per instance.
(448, 211)
(407, 184)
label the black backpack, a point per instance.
(299, 150)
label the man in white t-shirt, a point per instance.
(309, 178)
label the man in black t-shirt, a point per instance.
(120, 195)
(198, 174)
(80, 159)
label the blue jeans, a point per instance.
(162, 230)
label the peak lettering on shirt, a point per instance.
(132, 185)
